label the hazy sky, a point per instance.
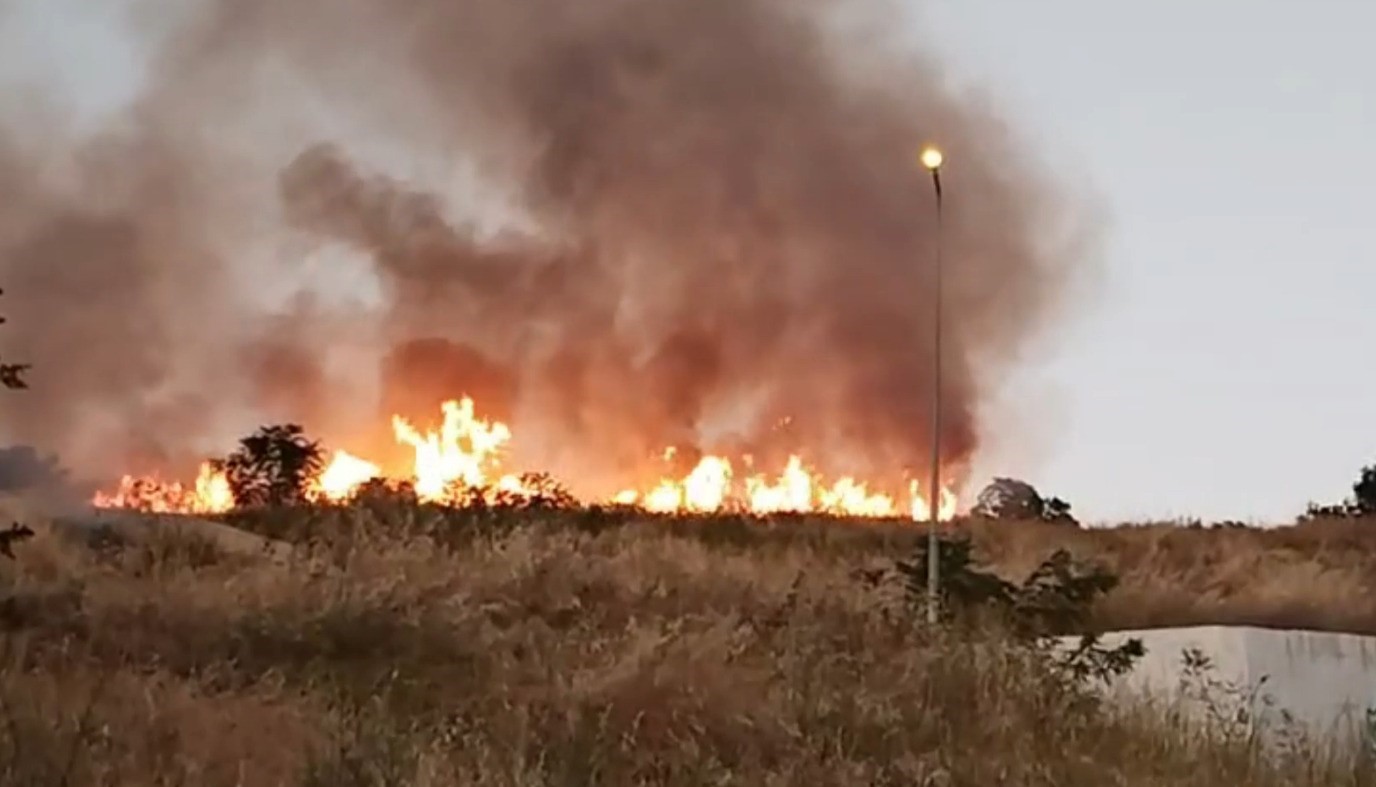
(1225, 369)
(1228, 370)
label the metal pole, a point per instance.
(934, 491)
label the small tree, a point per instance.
(1056, 600)
(1011, 499)
(1361, 503)
(1364, 491)
(273, 467)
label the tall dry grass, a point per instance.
(413, 646)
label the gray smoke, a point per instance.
(622, 224)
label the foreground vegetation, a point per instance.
(1319, 574)
(412, 645)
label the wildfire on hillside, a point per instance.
(466, 453)
(210, 493)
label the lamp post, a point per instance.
(932, 159)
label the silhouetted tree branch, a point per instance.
(15, 534)
(12, 377)
(12, 374)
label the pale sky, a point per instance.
(1226, 367)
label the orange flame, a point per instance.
(464, 451)
(343, 476)
(465, 455)
(210, 494)
(945, 507)
(797, 490)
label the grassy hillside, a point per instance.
(415, 646)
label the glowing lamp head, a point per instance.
(932, 159)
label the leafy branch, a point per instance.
(1054, 601)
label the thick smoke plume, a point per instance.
(621, 224)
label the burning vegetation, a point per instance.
(617, 226)
(463, 462)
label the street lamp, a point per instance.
(932, 159)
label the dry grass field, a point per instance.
(412, 646)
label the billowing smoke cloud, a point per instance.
(709, 232)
